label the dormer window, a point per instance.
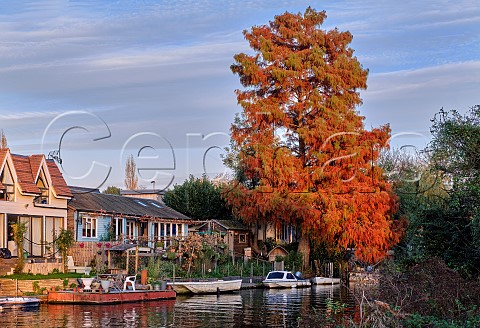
(7, 185)
(43, 186)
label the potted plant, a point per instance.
(87, 283)
(156, 285)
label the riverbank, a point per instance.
(39, 287)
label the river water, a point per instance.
(247, 308)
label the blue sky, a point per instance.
(153, 77)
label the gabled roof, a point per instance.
(35, 163)
(24, 174)
(27, 169)
(126, 206)
(58, 183)
(226, 224)
(231, 224)
(3, 155)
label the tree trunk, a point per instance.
(304, 248)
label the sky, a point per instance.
(101, 80)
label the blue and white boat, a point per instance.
(18, 303)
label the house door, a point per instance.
(53, 226)
(36, 235)
(143, 233)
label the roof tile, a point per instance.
(24, 174)
(35, 161)
(58, 182)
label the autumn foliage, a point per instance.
(302, 154)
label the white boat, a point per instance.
(206, 287)
(284, 279)
(18, 302)
(325, 281)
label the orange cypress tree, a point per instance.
(300, 146)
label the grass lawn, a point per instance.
(26, 276)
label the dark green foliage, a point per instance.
(293, 261)
(439, 193)
(455, 229)
(198, 199)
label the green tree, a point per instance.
(198, 199)
(454, 232)
(19, 230)
(300, 146)
(112, 190)
(64, 241)
(422, 191)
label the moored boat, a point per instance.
(325, 281)
(206, 287)
(75, 297)
(284, 279)
(18, 302)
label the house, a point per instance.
(235, 234)
(154, 194)
(280, 233)
(33, 191)
(94, 216)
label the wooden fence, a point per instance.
(42, 268)
(14, 287)
(84, 252)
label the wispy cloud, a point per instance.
(26, 115)
(163, 66)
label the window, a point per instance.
(140, 203)
(156, 205)
(130, 229)
(43, 198)
(8, 193)
(117, 227)
(6, 178)
(242, 238)
(290, 276)
(89, 227)
(275, 275)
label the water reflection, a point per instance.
(249, 308)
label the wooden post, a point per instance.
(251, 272)
(136, 259)
(128, 261)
